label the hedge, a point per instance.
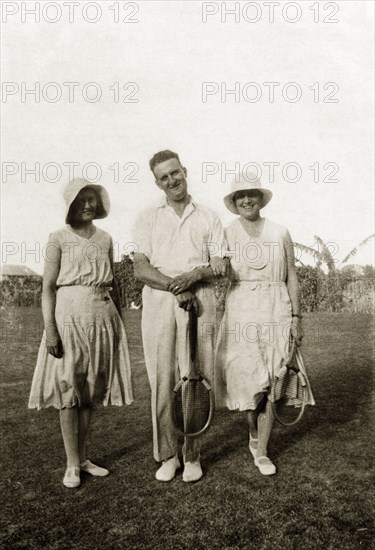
(339, 290)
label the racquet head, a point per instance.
(193, 399)
(193, 406)
(289, 391)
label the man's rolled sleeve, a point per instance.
(142, 234)
(217, 247)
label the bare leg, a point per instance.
(265, 423)
(252, 417)
(84, 417)
(260, 426)
(69, 430)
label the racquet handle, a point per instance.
(193, 333)
(292, 351)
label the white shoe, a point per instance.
(192, 471)
(71, 478)
(167, 470)
(266, 467)
(93, 469)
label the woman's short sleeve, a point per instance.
(52, 250)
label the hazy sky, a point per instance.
(301, 103)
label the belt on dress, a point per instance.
(92, 288)
(262, 284)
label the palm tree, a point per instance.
(320, 256)
(332, 288)
(354, 251)
(323, 254)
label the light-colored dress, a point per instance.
(253, 338)
(95, 366)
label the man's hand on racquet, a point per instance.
(188, 300)
(297, 330)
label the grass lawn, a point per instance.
(321, 496)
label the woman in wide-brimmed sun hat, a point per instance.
(83, 357)
(262, 308)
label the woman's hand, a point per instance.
(53, 343)
(219, 266)
(56, 350)
(297, 330)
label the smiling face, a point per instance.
(170, 176)
(84, 206)
(248, 204)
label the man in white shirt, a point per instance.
(179, 244)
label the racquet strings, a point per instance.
(289, 394)
(192, 406)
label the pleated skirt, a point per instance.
(95, 366)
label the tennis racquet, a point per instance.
(289, 392)
(192, 396)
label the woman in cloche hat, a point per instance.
(83, 357)
(262, 308)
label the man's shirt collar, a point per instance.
(164, 202)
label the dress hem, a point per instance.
(70, 405)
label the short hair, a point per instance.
(162, 156)
(100, 210)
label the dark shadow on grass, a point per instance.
(343, 395)
(225, 438)
(342, 398)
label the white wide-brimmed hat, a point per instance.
(74, 187)
(248, 182)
